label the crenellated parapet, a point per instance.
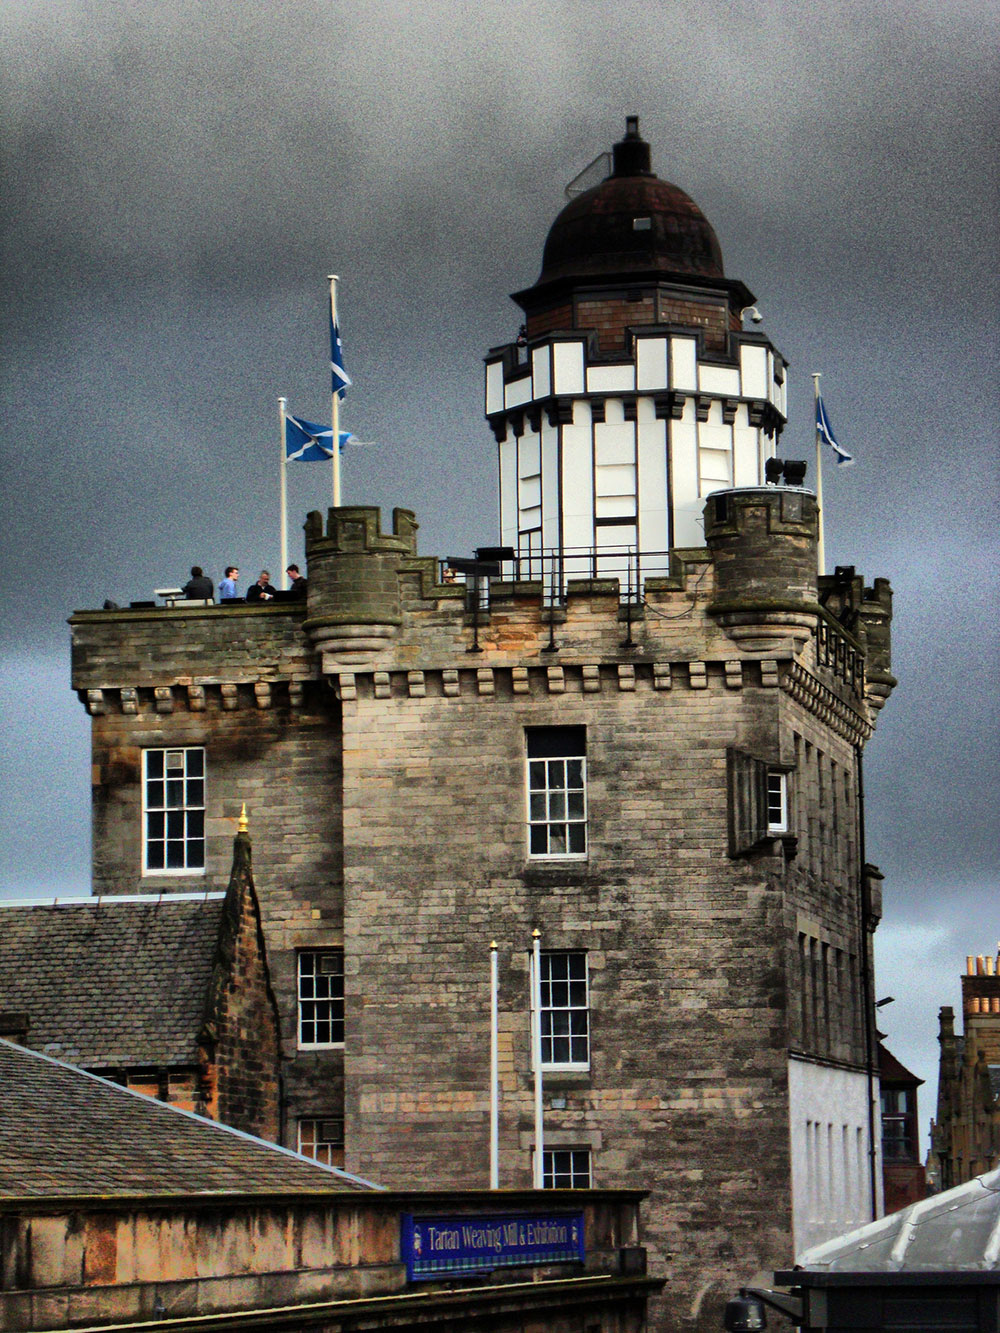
(354, 605)
(763, 541)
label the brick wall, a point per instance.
(613, 314)
(611, 317)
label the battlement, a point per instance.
(375, 606)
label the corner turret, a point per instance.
(763, 540)
(354, 602)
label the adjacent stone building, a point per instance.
(965, 1135)
(167, 994)
(117, 1209)
(903, 1179)
(635, 729)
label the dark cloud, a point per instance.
(185, 175)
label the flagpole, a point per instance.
(536, 1051)
(494, 1072)
(820, 551)
(335, 413)
(282, 405)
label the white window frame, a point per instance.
(564, 1020)
(319, 1139)
(310, 994)
(777, 801)
(567, 1162)
(556, 796)
(187, 807)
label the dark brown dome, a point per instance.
(632, 222)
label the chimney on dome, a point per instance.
(631, 155)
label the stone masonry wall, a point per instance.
(242, 682)
(686, 1090)
(243, 1035)
(392, 794)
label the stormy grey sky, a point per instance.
(179, 178)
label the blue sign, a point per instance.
(437, 1247)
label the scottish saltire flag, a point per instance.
(825, 432)
(305, 442)
(338, 374)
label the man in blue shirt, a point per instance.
(227, 588)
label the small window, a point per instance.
(557, 791)
(566, 1169)
(642, 224)
(321, 998)
(777, 801)
(323, 1139)
(758, 801)
(565, 1010)
(173, 815)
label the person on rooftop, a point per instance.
(199, 586)
(227, 587)
(261, 591)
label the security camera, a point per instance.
(755, 315)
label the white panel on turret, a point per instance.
(719, 379)
(618, 505)
(686, 499)
(610, 379)
(541, 371)
(715, 452)
(578, 487)
(616, 545)
(528, 455)
(518, 392)
(652, 449)
(551, 526)
(529, 485)
(716, 470)
(746, 452)
(683, 364)
(614, 442)
(753, 370)
(494, 387)
(651, 363)
(567, 367)
(508, 491)
(614, 470)
(772, 388)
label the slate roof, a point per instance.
(891, 1069)
(108, 982)
(66, 1133)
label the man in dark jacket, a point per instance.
(198, 587)
(261, 591)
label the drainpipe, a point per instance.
(867, 962)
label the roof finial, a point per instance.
(631, 154)
(244, 823)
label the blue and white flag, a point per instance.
(305, 442)
(825, 432)
(338, 374)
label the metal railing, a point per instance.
(556, 568)
(837, 653)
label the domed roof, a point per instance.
(632, 222)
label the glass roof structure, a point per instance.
(956, 1231)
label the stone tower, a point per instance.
(640, 736)
(636, 391)
(965, 1137)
